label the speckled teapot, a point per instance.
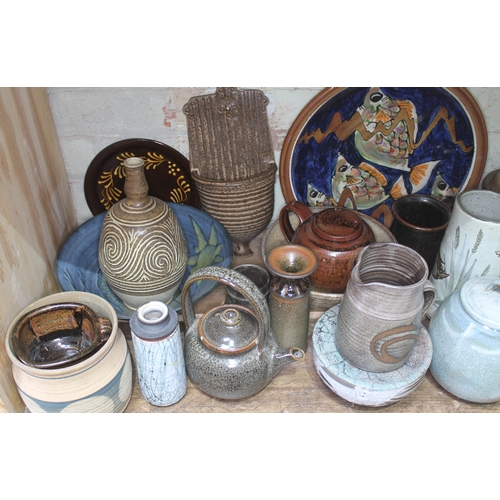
(231, 351)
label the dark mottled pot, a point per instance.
(420, 222)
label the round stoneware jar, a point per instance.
(465, 333)
(100, 383)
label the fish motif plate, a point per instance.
(378, 144)
(167, 172)
(209, 244)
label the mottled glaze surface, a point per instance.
(232, 361)
(363, 387)
(381, 312)
(290, 293)
(322, 301)
(335, 235)
(465, 333)
(471, 244)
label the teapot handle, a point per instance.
(236, 280)
(300, 210)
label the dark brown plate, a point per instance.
(167, 172)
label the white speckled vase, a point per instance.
(159, 356)
(101, 383)
(465, 333)
(142, 250)
(471, 244)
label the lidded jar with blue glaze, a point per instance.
(465, 333)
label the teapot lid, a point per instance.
(337, 224)
(229, 330)
(480, 298)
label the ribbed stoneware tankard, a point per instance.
(380, 316)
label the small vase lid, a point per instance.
(229, 330)
(480, 298)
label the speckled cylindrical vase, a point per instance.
(290, 293)
(159, 357)
(142, 250)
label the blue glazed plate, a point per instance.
(209, 244)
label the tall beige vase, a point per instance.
(142, 250)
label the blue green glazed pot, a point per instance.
(100, 383)
(465, 334)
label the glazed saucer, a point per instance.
(359, 386)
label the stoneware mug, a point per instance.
(420, 222)
(380, 315)
(470, 246)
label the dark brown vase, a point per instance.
(142, 249)
(335, 235)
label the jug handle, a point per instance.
(242, 284)
(300, 210)
(430, 293)
(386, 212)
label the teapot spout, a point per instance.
(285, 355)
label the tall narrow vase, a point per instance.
(142, 249)
(290, 293)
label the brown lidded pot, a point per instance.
(336, 236)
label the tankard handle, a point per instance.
(430, 293)
(236, 280)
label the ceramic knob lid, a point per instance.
(229, 329)
(337, 224)
(480, 298)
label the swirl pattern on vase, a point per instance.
(146, 258)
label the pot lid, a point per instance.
(337, 224)
(480, 298)
(229, 330)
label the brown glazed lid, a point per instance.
(337, 224)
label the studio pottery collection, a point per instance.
(378, 269)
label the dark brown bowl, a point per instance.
(58, 335)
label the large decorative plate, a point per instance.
(381, 143)
(209, 244)
(167, 172)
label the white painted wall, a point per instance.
(89, 119)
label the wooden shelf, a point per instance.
(297, 388)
